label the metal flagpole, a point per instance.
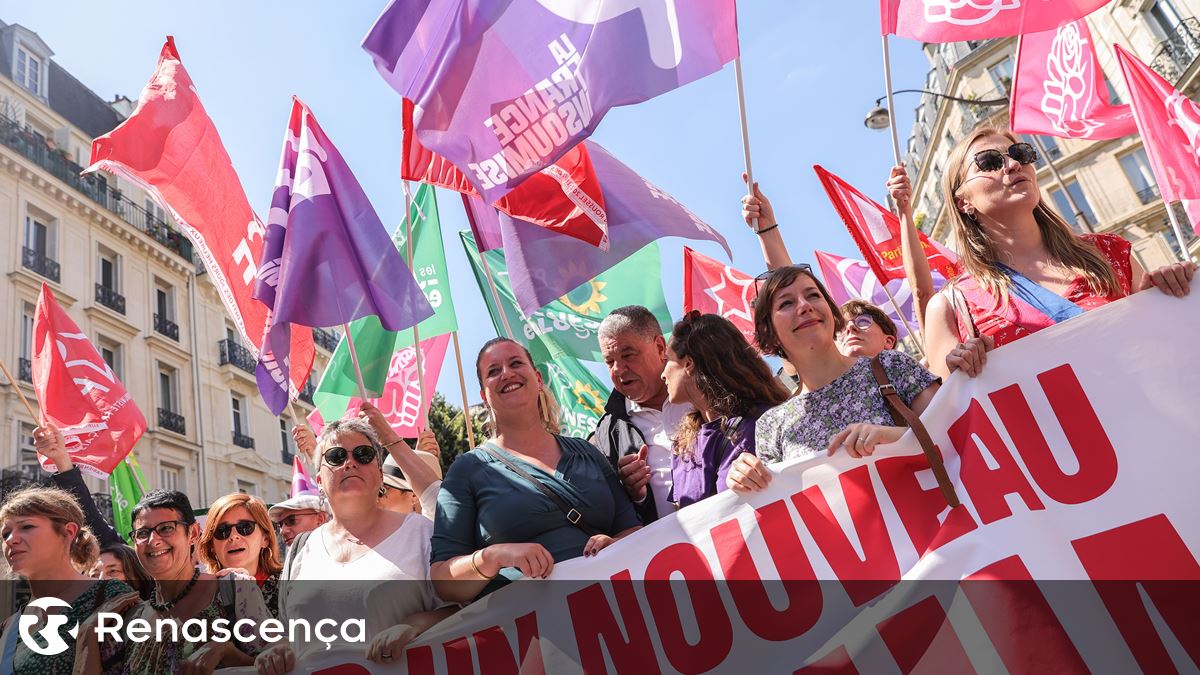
(741, 95)
(362, 388)
(887, 88)
(408, 240)
(1183, 252)
(462, 386)
(1062, 185)
(904, 319)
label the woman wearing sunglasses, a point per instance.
(838, 405)
(729, 386)
(526, 499)
(1024, 268)
(238, 536)
(385, 553)
(165, 534)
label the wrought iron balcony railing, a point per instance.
(1149, 194)
(326, 339)
(306, 394)
(243, 441)
(236, 355)
(110, 298)
(1177, 53)
(34, 148)
(40, 264)
(171, 421)
(165, 326)
(25, 370)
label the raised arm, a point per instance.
(757, 206)
(50, 442)
(420, 475)
(916, 264)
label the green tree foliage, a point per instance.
(449, 427)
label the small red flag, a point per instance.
(876, 231)
(79, 393)
(713, 287)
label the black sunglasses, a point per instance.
(762, 278)
(336, 456)
(993, 160)
(163, 530)
(243, 527)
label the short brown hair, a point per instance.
(268, 558)
(780, 278)
(60, 507)
(855, 308)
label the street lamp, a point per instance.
(880, 118)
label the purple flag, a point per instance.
(544, 265)
(327, 258)
(849, 279)
(503, 88)
(485, 223)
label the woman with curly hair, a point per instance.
(238, 535)
(711, 366)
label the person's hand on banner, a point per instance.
(596, 543)
(533, 560)
(757, 206)
(51, 444)
(306, 441)
(390, 642)
(900, 188)
(634, 472)
(427, 442)
(276, 660)
(1173, 279)
(208, 658)
(970, 356)
(748, 474)
(859, 440)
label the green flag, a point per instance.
(573, 319)
(125, 489)
(372, 342)
(580, 394)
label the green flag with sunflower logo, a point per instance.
(572, 320)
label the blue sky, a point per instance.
(812, 70)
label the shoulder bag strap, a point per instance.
(899, 409)
(573, 515)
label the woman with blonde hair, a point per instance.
(238, 535)
(47, 543)
(529, 497)
(1024, 269)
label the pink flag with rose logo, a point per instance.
(1169, 123)
(1058, 88)
(956, 20)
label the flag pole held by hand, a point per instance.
(362, 388)
(20, 394)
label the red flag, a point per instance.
(713, 287)
(1169, 123)
(170, 147)
(564, 197)
(876, 231)
(956, 20)
(79, 393)
(1058, 88)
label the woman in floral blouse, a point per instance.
(838, 404)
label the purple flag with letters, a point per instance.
(327, 258)
(544, 265)
(503, 88)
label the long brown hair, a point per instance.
(979, 257)
(730, 375)
(268, 557)
(548, 410)
(780, 278)
(60, 507)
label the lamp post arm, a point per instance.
(989, 102)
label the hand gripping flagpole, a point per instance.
(408, 241)
(21, 395)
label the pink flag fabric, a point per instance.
(170, 147)
(400, 402)
(957, 20)
(712, 287)
(302, 484)
(1169, 123)
(849, 279)
(79, 394)
(1058, 88)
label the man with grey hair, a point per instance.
(638, 423)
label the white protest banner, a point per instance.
(1075, 457)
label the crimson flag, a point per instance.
(876, 231)
(712, 287)
(564, 197)
(79, 393)
(170, 147)
(958, 20)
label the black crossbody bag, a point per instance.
(573, 515)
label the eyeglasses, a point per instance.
(762, 278)
(993, 160)
(336, 456)
(861, 323)
(292, 519)
(163, 530)
(243, 527)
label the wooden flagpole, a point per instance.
(462, 386)
(887, 88)
(741, 95)
(408, 241)
(21, 395)
(918, 338)
(362, 388)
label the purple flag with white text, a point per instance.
(327, 259)
(544, 265)
(553, 70)
(849, 279)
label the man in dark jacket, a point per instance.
(638, 423)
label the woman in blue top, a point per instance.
(493, 525)
(711, 366)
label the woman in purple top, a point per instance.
(711, 366)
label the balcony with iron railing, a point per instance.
(25, 370)
(306, 393)
(236, 355)
(165, 326)
(35, 148)
(1178, 52)
(1148, 194)
(242, 440)
(326, 339)
(110, 298)
(40, 264)
(171, 421)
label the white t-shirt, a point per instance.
(428, 499)
(382, 587)
(658, 426)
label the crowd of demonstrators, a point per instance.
(297, 515)
(239, 537)
(528, 497)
